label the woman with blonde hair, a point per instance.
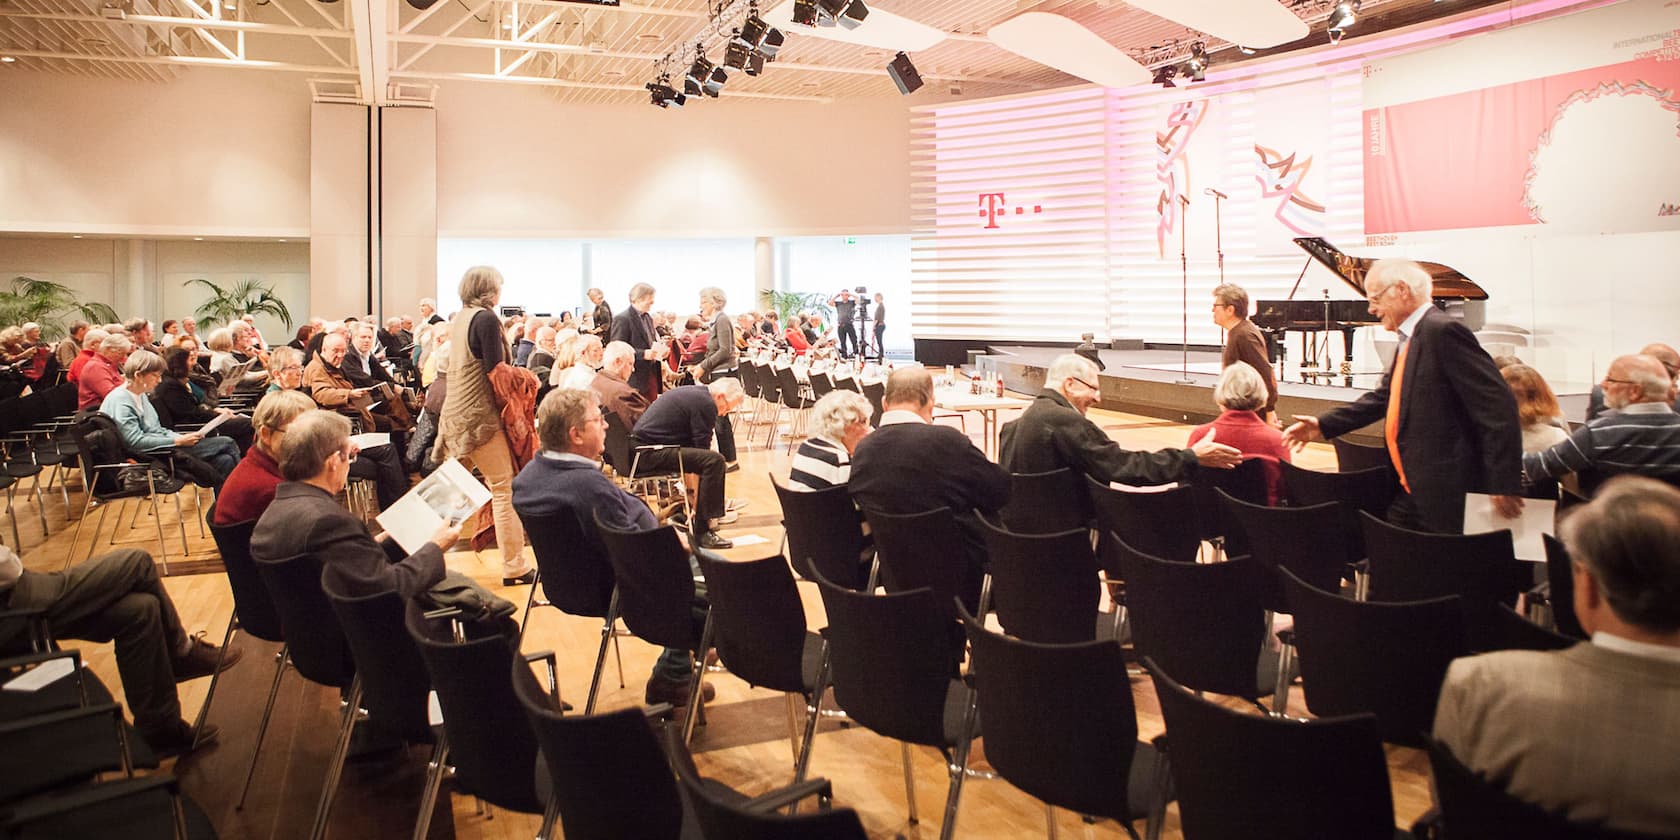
(481, 422)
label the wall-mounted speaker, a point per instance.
(904, 74)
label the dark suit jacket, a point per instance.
(603, 318)
(1051, 435)
(914, 467)
(303, 519)
(1458, 423)
(636, 329)
(1244, 343)
(561, 498)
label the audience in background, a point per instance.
(1663, 353)
(182, 402)
(102, 373)
(207, 461)
(92, 339)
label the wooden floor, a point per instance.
(745, 743)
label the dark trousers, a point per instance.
(880, 349)
(117, 597)
(848, 337)
(383, 466)
(725, 430)
(705, 463)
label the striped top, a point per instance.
(1642, 439)
(818, 464)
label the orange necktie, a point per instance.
(1391, 426)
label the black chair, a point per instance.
(821, 385)
(572, 586)
(254, 614)
(891, 669)
(1357, 457)
(846, 383)
(490, 744)
(1061, 726)
(395, 685)
(1240, 775)
(103, 457)
(1212, 521)
(1560, 581)
(1469, 805)
(791, 397)
(874, 392)
(316, 647)
(624, 455)
(824, 530)
(1512, 631)
(725, 814)
(926, 550)
(1203, 622)
(1305, 540)
(758, 627)
(1047, 503)
(1371, 491)
(1388, 659)
(656, 597)
(1482, 569)
(1155, 523)
(770, 390)
(1044, 586)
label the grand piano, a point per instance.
(1452, 291)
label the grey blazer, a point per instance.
(721, 354)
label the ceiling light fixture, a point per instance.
(805, 12)
(904, 74)
(703, 75)
(847, 14)
(1196, 68)
(661, 93)
(1164, 75)
(1345, 15)
(1245, 50)
(7, 59)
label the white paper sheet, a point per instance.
(749, 539)
(42, 676)
(450, 494)
(209, 427)
(368, 440)
(1538, 516)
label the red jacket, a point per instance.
(796, 340)
(1254, 439)
(248, 489)
(99, 376)
(78, 363)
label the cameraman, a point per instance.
(845, 308)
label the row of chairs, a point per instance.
(773, 389)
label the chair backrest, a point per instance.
(1384, 658)
(769, 385)
(1409, 565)
(821, 384)
(1155, 523)
(748, 372)
(758, 621)
(787, 383)
(1473, 806)
(1246, 482)
(890, 661)
(846, 383)
(1203, 622)
(1511, 631)
(577, 582)
(619, 451)
(1356, 457)
(1560, 579)
(313, 637)
(1370, 490)
(1241, 775)
(493, 750)
(257, 615)
(655, 584)
(874, 392)
(394, 680)
(823, 529)
(1059, 719)
(924, 550)
(609, 776)
(98, 442)
(1047, 503)
(1305, 540)
(1044, 586)
(726, 818)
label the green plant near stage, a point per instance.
(789, 304)
(48, 304)
(247, 297)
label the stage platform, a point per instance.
(1155, 383)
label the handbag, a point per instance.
(148, 478)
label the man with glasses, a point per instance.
(1449, 418)
(1054, 433)
(1243, 341)
(1639, 435)
(1657, 350)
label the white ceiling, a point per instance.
(590, 53)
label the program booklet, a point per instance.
(449, 495)
(232, 378)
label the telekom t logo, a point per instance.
(992, 206)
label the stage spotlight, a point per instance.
(772, 44)
(848, 14)
(805, 12)
(735, 55)
(1345, 15)
(904, 74)
(755, 64)
(704, 77)
(757, 35)
(1196, 67)
(1164, 76)
(663, 95)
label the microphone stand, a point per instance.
(1218, 235)
(1184, 274)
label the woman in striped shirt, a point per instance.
(838, 421)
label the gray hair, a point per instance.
(639, 291)
(237, 328)
(282, 357)
(94, 338)
(1069, 366)
(727, 387)
(136, 324)
(220, 340)
(1390, 271)
(141, 362)
(279, 409)
(616, 352)
(1233, 296)
(115, 342)
(561, 411)
(566, 352)
(311, 439)
(429, 302)
(837, 410)
(715, 295)
(1240, 388)
(481, 286)
(1628, 538)
(908, 386)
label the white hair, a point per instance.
(1390, 271)
(1240, 388)
(727, 387)
(93, 338)
(617, 352)
(1069, 366)
(837, 410)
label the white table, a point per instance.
(988, 405)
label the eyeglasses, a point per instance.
(1086, 384)
(1614, 381)
(1379, 295)
(1224, 306)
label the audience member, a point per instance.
(541, 360)
(92, 340)
(635, 327)
(205, 460)
(602, 315)
(612, 385)
(1243, 341)
(250, 487)
(1537, 407)
(839, 421)
(287, 365)
(1640, 435)
(1592, 731)
(1662, 353)
(102, 373)
(181, 401)
(71, 346)
(1240, 394)
(686, 417)
(795, 336)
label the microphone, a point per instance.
(1185, 199)
(1212, 191)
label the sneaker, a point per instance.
(710, 540)
(200, 660)
(675, 692)
(178, 739)
(735, 504)
(530, 576)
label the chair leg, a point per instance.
(40, 505)
(530, 601)
(198, 511)
(813, 714)
(985, 594)
(1158, 808)
(70, 553)
(697, 673)
(215, 676)
(435, 767)
(601, 655)
(335, 765)
(163, 548)
(909, 781)
(1280, 693)
(94, 540)
(959, 771)
(793, 726)
(11, 513)
(618, 657)
(262, 728)
(181, 521)
(1050, 821)
(551, 818)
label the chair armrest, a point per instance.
(43, 807)
(658, 710)
(547, 657)
(783, 797)
(652, 447)
(11, 728)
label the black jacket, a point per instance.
(636, 329)
(1051, 435)
(303, 519)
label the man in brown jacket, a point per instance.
(612, 383)
(1243, 341)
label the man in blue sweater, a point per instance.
(685, 418)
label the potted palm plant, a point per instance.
(49, 304)
(246, 297)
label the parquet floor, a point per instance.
(745, 743)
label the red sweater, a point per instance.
(99, 376)
(248, 489)
(796, 340)
(1253, 438)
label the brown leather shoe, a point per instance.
(200, 660)
(675, 692)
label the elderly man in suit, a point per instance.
(634, 326)
(1243, 341)
(909, 465)
(305, 518)
(1593, 730)
(1449, 418)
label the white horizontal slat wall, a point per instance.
(1042, 272)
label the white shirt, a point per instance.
(1664, 653)
(899, 415)
(1408, 327)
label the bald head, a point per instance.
(1636, 379)
(1666, 355)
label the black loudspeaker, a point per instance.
(904, 74)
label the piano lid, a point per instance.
(1448, 283)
